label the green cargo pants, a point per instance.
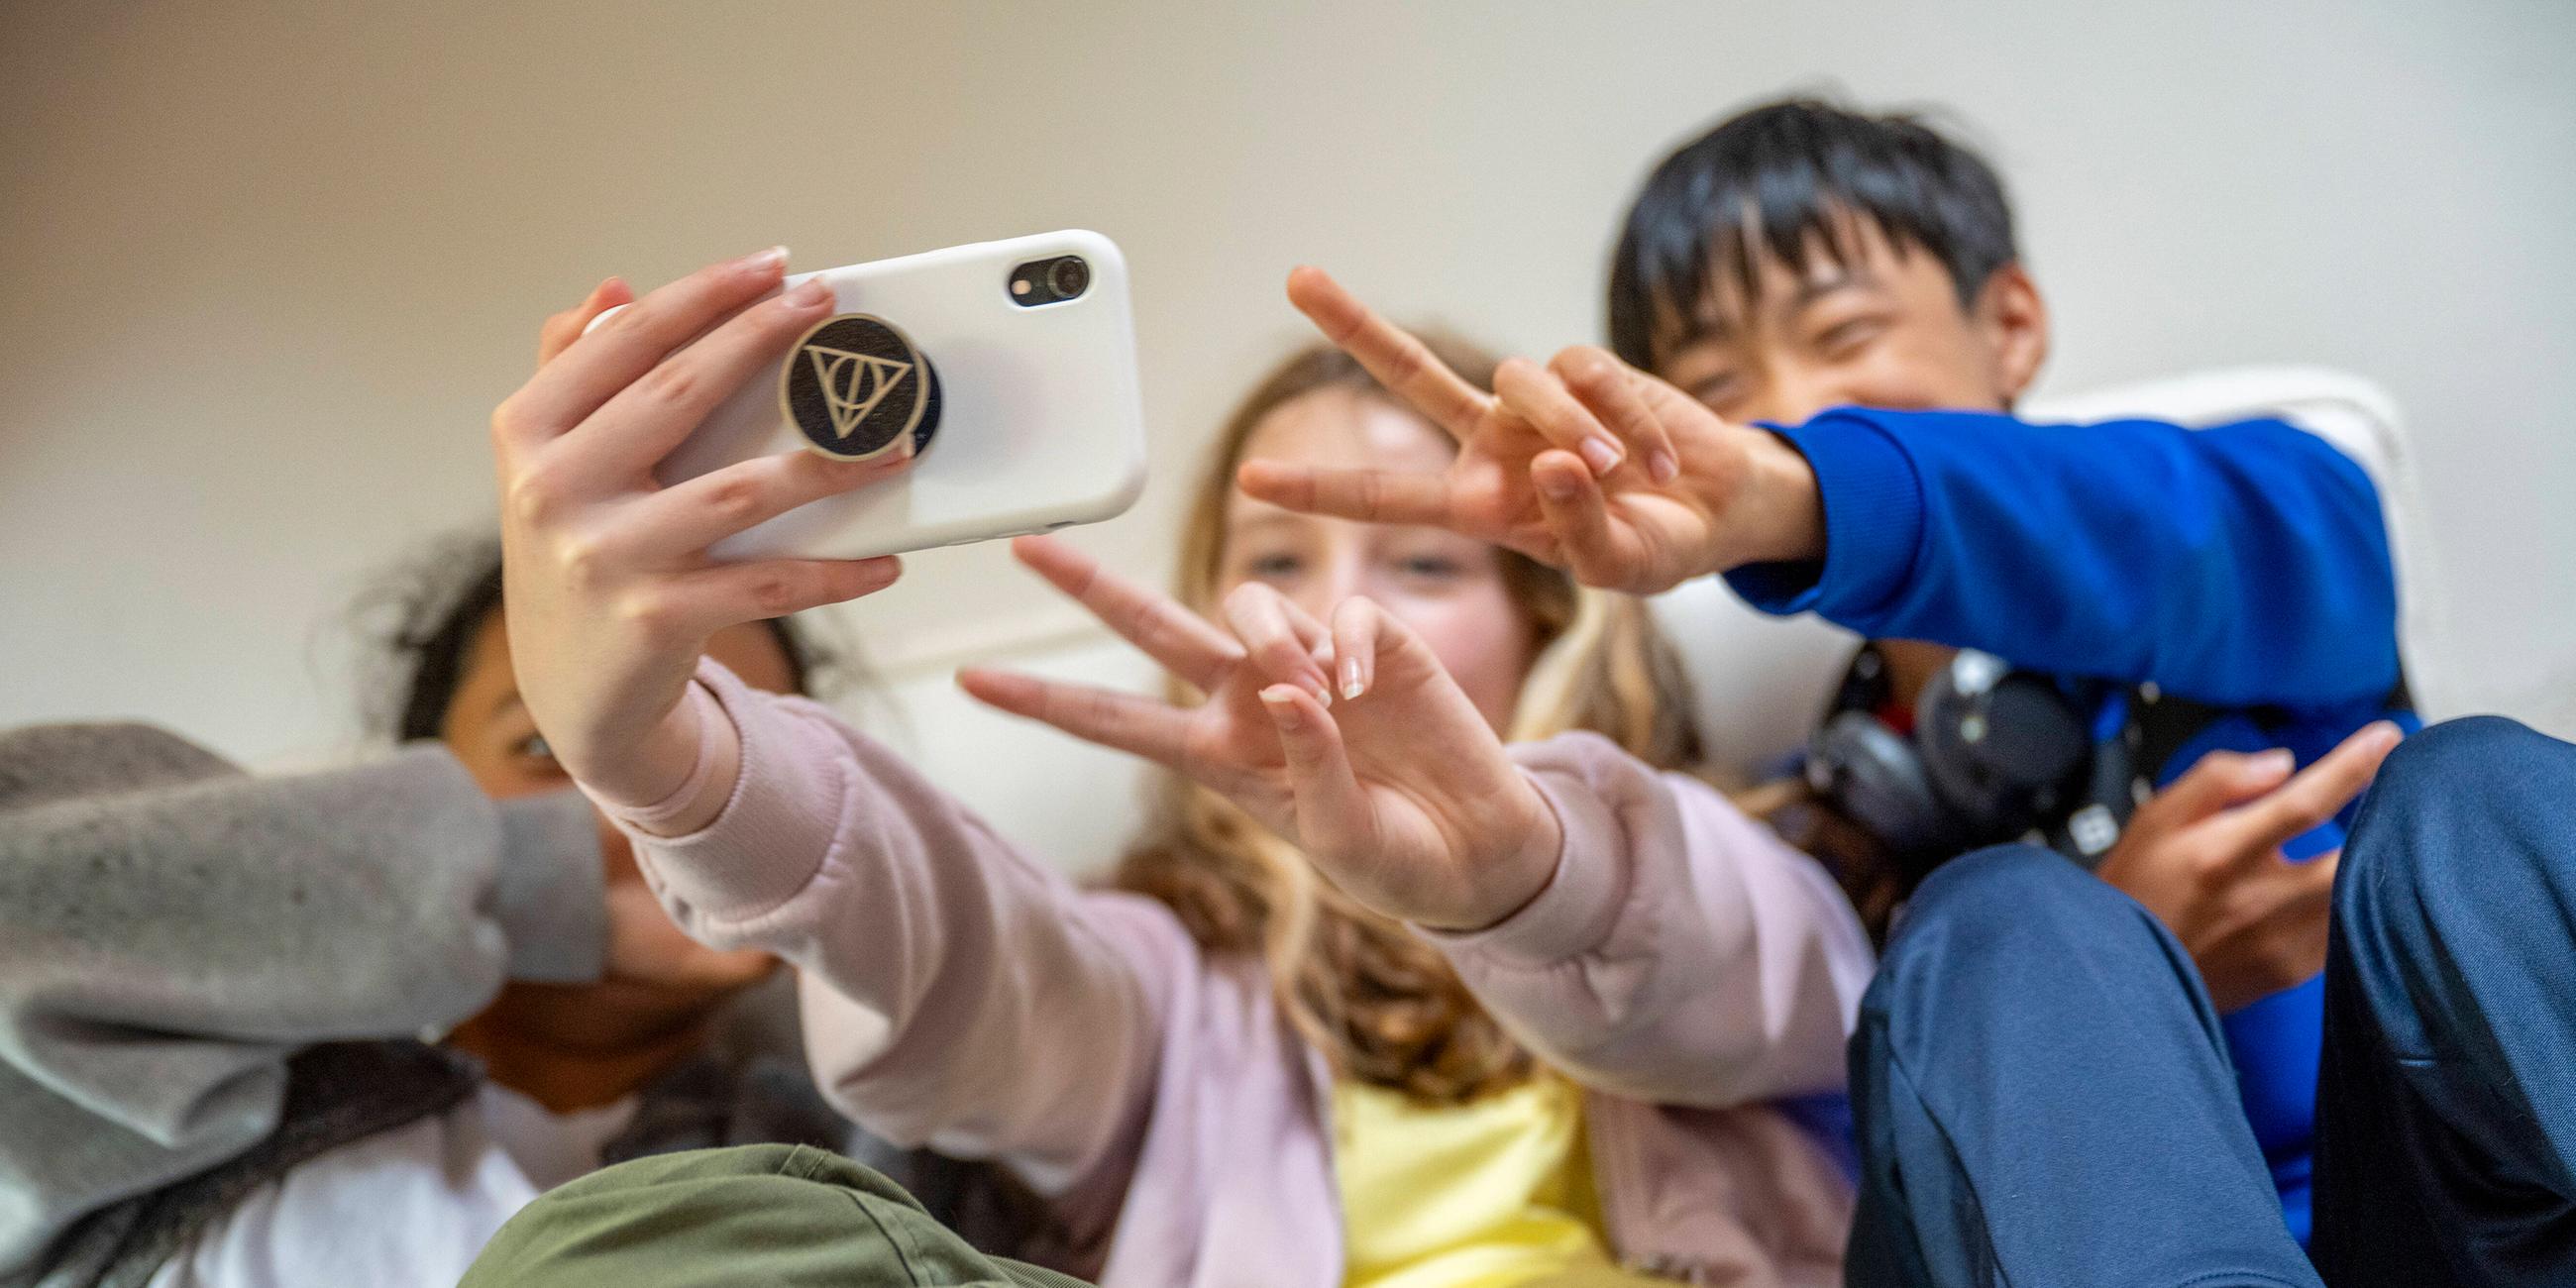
(782, 1215)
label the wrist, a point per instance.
(1517, 881)
(1777, 512)
(687, 766)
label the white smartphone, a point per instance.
(1011, 364)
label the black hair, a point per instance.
(1781, 181)
(427, 613)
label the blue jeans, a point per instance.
(2043, 1095)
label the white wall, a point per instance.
(264, 269)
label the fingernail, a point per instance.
(1601, 453)
(1557, 486)
(810, 293)
(767, 261)
(1282, 707)
(1662, 466)
(1352, 685)
(1323, 692)
(2274, 761)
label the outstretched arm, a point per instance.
(173, 930)
(1684, 953)
(1632, 926)
(2240, 565)
(944, 970)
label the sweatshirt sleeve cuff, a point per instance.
(1576, 910)
(1873, 505)
(778, 824)
(553, 910)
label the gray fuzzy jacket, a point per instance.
(178, 937)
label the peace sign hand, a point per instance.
(2205, 856)
(1399, 791)
(1587, 463)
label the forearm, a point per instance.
(168, 939)
(373, 901)
(1683, 954)
(2239, 565)
(943, 969)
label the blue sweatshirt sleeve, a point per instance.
(2240, 565)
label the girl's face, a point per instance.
(1449, 589)
(493, 736)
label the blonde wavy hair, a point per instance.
(1382, 1006)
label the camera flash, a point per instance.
(1019, 286)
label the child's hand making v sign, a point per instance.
(1586, 463)
(1400, 790)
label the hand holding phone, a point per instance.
(611, 594)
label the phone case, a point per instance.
(1039, 423)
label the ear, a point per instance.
(2014, 322)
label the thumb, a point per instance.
(1578, 516)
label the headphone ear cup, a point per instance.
(1998, 747)
(1876, 778)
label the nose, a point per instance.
(1338, 579)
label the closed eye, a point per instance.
(1271, 567)
(1716, 391)
(1850, 336)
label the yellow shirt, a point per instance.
(1493, 1194)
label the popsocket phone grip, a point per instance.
(856, 384)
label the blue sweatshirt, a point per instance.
(2243, 566)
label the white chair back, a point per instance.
(1762, 682)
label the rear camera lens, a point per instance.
(1069, 277)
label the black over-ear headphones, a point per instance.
(1996, 754)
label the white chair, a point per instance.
(1763, 681)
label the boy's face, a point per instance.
(1884, 328)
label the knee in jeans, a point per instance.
(2445, 764)
(2441, 791)
(1982, 927)
(2004, 899)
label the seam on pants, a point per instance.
(903, 1249)
(1896, 1065)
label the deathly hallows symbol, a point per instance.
(853, 383)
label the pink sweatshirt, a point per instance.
(1684, 966)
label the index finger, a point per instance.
(1398, 360)
(1193, 648)
(1371, 496)
(611, 356)
(1156, 731)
